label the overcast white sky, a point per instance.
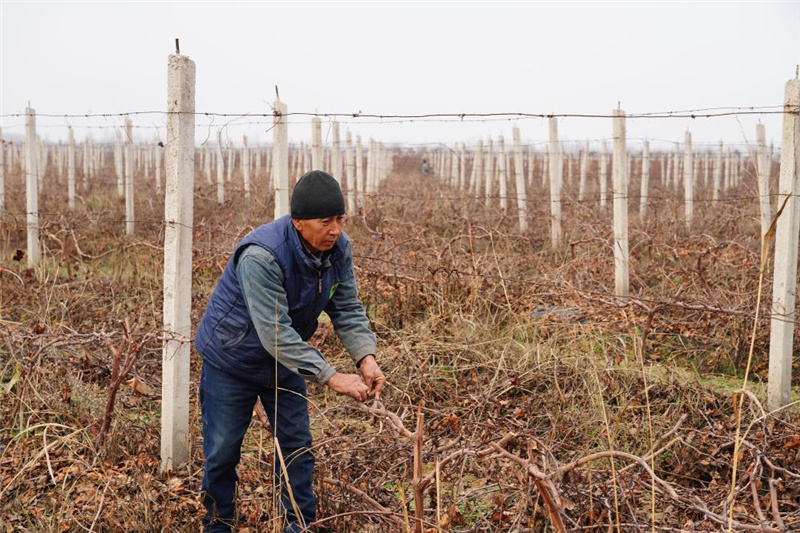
(403, 58)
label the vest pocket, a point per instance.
(232, 335)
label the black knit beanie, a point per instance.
(317, 195)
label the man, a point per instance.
(426, 168)
(253, 336)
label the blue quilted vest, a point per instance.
(227, 338)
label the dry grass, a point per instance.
(486, 331)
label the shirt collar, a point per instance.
(317, 259)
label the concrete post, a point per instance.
(31, 189)
(620, 201)
(245, 167)
(256, 162)
(762, 165)
(629, 162)
(157, 161)
(294, 156)
(489, 173)
(129, 215)
(603, 175)
(207, 162)
(178, 219)
(41, 162)
(231, 162)
(359, 173)
(349, 164)
(568, 166)
(529, 172)
(118, 166)
(371, 159)
(717, 176)
(674, 180)
(545, 166)
(556, 169)
(316, 144)
(373, 164)
(472, 173)
(478, 165)
(336, 154)
(455, 162)
(99, 159)
(220, 170)
(306, 162)
(462, 168)
(502, 173)
(688, 179)
(786, 247)
(280, 159)
(58, 154)
(86, 159)
(645, 185)
(668, 172)
(519, 171)
(695, 172)
(726, 171)
(71, 168)
(584, 170)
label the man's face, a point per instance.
(320, 234)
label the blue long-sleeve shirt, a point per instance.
(261, 281)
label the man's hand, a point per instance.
(350, 385)
(372, 375)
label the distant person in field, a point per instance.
(426, 168)
(253, 337)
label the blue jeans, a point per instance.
(227, 406)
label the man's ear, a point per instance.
(298, 224)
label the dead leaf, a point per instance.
(139, 386)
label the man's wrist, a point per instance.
(358, 363)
